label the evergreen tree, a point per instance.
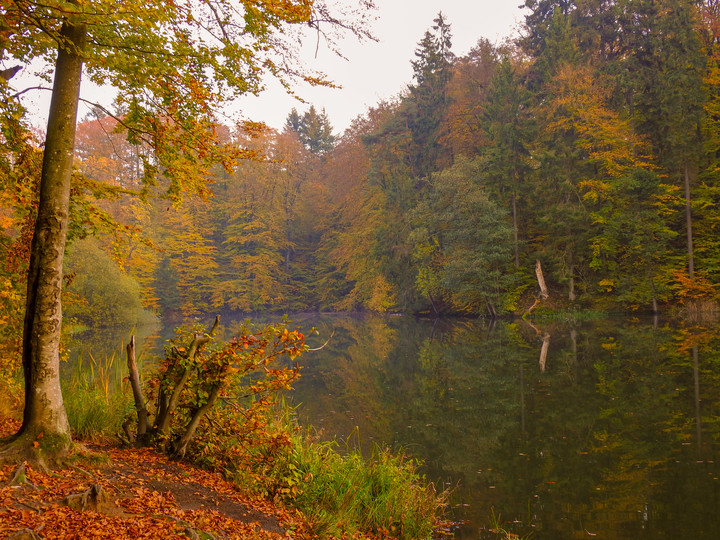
(313, 129)
(425, 107)
(509, 132)
(558, 235)
(294, 121)
(463, 246)
(668, 101)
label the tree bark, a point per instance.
(164, 417)
(688, 223)
(180, 446)
(44, 409)
(541, 280)
(142, 412)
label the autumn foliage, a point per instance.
(133, 493)
(211, 401)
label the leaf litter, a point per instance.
(134, 493)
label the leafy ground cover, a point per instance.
(133, 493)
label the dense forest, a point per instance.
(587, 148)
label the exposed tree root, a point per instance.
(19, 476)
(94, 498)
(21, 450)
(24, 534)
(37, 450)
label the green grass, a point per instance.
(344, 493)
(503, 534)
(94, 401)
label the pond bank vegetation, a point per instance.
(248, 437)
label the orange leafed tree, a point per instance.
(174, 64)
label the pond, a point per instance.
(607, 428)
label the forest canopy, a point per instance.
(589, 144)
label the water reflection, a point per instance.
(605, 429)
(101, 351)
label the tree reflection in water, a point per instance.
(608, 427)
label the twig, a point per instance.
(81, 471)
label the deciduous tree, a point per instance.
(174, 65)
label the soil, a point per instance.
(132, 493)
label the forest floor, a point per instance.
(132, 493)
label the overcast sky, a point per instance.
(372, 71)
(377, 71)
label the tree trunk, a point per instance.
(166, 408)
(44, 409)
(515, 231)
(688, 223)
(696, 384)
(142, 412)
(180, 446)
(541, 280)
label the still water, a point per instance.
(605, 429)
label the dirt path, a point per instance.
(131, 494)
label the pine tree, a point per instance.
(425, 108)
(313, 129)
(668, 100)
(509, 131)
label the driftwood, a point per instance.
(541, 280)
(543, 294)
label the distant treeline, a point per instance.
(590, 144)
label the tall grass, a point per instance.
(94, 401)
(344, 493)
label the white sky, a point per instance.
(377, 71)
(372, 71)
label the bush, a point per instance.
(217, 406)
(340, 493)
(101, 294)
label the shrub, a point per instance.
(340, 493)
(101, 293)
